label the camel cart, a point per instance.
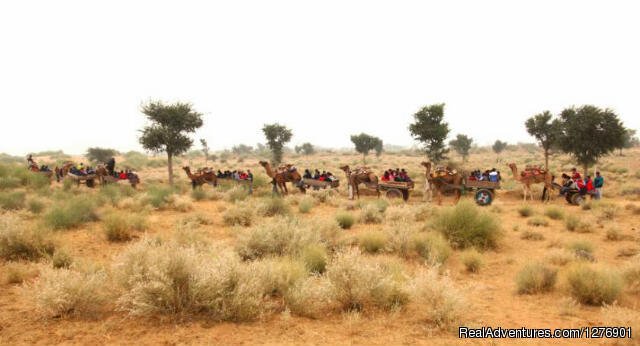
(134, 180)
(317, 184)
(88, 179)
(485, 191)
(396, 189)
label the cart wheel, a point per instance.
(577, 199)
(568, 196)
(394, 193)
(484, 197)
(90, 183)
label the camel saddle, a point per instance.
(530, 170)
(361, 171)
(441, 171)
(285, 169)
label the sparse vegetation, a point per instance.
(525, 211)
(465, 225)
(20, 242)
(238, 216)
(538, 221)
(345, 219)
(594, 286)
(472, 260)
(554, 213)
(536, 278)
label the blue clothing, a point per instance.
(598, 182)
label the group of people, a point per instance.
(235, 175)
(34, 166)
(81, 169)
(592, 187)
(489, 175)
(395, 175)
(317, 175)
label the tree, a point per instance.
(205, 150)
(430, 129)
(588, 133)
(242, 149)
(498, 147)
(462, 145)
(277, 136)
(364, 143)
(170, 124)
(378, 148)
(630, 140)
(100, 154)
(306, 149)
(543, 128)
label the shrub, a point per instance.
(631, 274)
(530, 235)
(61, 259)
(315, 258)
(581, 246)
(12, 200)
(472, 260)
(525, 211)
(559, 257)
(35, 206)
(63, 292)
(180, 203)
(236, 193)
(594, 286)
(199, 194)
(280, 237)
(438, 300)
(574, 224)
(345, 219)
(17, 242)
(554, 213)
(322, 196)
(538, 221)
(614, 234)
(465, 225)
(72, 213)
(273, 206)
(238, 216)
(158, 196)
(535, 278)
(277, 275)
(305, 205)
(381, 205)
(119, 227)
(400, 239)
(371, 214)
(373, 241)
(17, 273)
(431, 246)
(311, 297)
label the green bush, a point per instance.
(431, 246)
(12, 200)
(61, 259)
(574, 224)
(538, 221)
(581, 246)
(71, 213)
(465, 225)
(345, 219)
(199, 194)
(36, 206)
(158, 196)
(525, 211)
(554, 213)
(236, 193)
(279, 237)
(594, 286)
(373, 241)
(18, 242)
(472, 260)
(120, 227)
(530, 235)
(273, 206)
(238, 216)
(305, 205)
(315, 258)
(371, 214)
(535, 278)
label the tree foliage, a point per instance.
(630, 140)
(100, 154)
(543, 128)
(169, 129)
(242, 149)
(588, 133)
(498, 147)
(277, 136)
(364, 143)
(305, 148)
(430, 129)
(462, 144)
(205, 149)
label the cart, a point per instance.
(133, 179)
(396, 189)
(88, 179)
(319, 184)
(485, 191)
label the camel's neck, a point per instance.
(188, 170)
(268, 169)
(514, 170)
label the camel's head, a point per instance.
(345, 168)
(186, 168)
(263, 163)
(426, 164)
(512, 165)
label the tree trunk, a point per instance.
(364, 159)
(170, 164)
(586, 171)
(546, 160)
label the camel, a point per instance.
(103, 175)
(199, 179)
(427, 195)
(439, 182)
(535, 177)
(284, 174)
(358, 176)
(62, 172)
(33, 167)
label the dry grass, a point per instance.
(536, 278)
(594, 286)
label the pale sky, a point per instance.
(74, 73)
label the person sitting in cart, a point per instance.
(568, 184)
(589, 187)
(575, 175)
(122, 175)
(331, 177)
(307, 174)
(493, 176)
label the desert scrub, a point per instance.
(180, 203)
(559, 257)
(17, 273)
(12, 200)
(380, 204)
(400, 238)
(236, 193)
(36, 206)
(71, 213)
(61, 259)
(431, 246)
(282, 236)
(372, 241)
(574, 224)
(472, 260)
(536, 278)
(593, 286)
(371, 214)
(631, 274)
(278, 274)
(305, 205)
(400, 214)
(538, 221)
(360, 283)
(315, 258)
(158, 196)
(120, 227)
(199, 194)
(579, 246)
(239, 215)
(59, 292)
(272, 206)
(554, 213)
(614, 234)
(531, 235)
(445, 303)
(167, 278)
(345, 219)
(20, 242)
(322, 196)
(311, 297)
(466, 225)
(525, 211)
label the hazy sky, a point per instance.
(74, 73)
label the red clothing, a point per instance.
(580, 183)
(576, 176)
(589, 185)
(385, 178)
(123, 176)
